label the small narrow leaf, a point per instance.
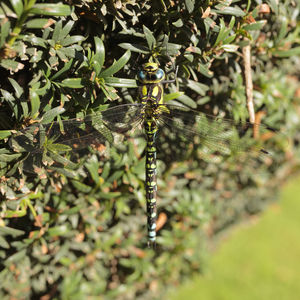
(189, 5)
(35, 103)
(64, 69)
(51, 9)
(11, 65)
(37, 23)
(121, 82)
(81, 187)
(134, 48)
(75, 83)
(4, 31)
(230, 48)
(18, 89)
(169, 97)
(118, 65)
(72, 40)
(17, 6)
(287, 53)
(4, 134)
(66, 30)
(255, 26)
(100, 52)
(51, 114)
(178, 23)
(235, 11)
(149, 37)
(58, 230)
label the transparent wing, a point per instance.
(40, 141)
(214, 138)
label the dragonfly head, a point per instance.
(151, 73)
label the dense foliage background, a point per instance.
(78, 230)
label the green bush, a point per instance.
(76, 230)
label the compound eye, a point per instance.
(160, 74)
(141, 75)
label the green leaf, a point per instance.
(93, 167)
(36, 41)
(17, 6)
(51, 9)
(53, 150)
(109, 195)
(109, 91)
(115, 176)
(66, 30)
(58, 148)
(173, 49)
(43, 90)
(51, 114)
(4, 31)
(135, 48)
(234, 11)
(100, 52)
(178, 23)
(56, 33)
(190, 5)
(75, 83)
(35, 103)
(230, 48)
(65, 171)
(224, 32)
(283, 30)
(64, 69)
(11, 231)
(20, 255)
(15, 213)
(121, 82)
(210, 24)
(187, 101)
(255, 26)
(8, 96)
(18, 89)
(4, 134)
(37, 23)
(11, 65)
(287, 53)
(274, 4)
(118, 65)
(198, 87)
(4, 244)
(58, 230)
(97, 67)
(66, 53)
(149, 37)
(205, 71)
(221, 33)
(72, 40)
(229, 39)
(171, 96)
(81, 186)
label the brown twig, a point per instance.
(249, 84)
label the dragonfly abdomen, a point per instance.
(151, 182)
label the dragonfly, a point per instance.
(213, 136)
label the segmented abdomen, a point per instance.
(151, 183)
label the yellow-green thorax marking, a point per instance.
(151, 96)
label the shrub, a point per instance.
(76, 229)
